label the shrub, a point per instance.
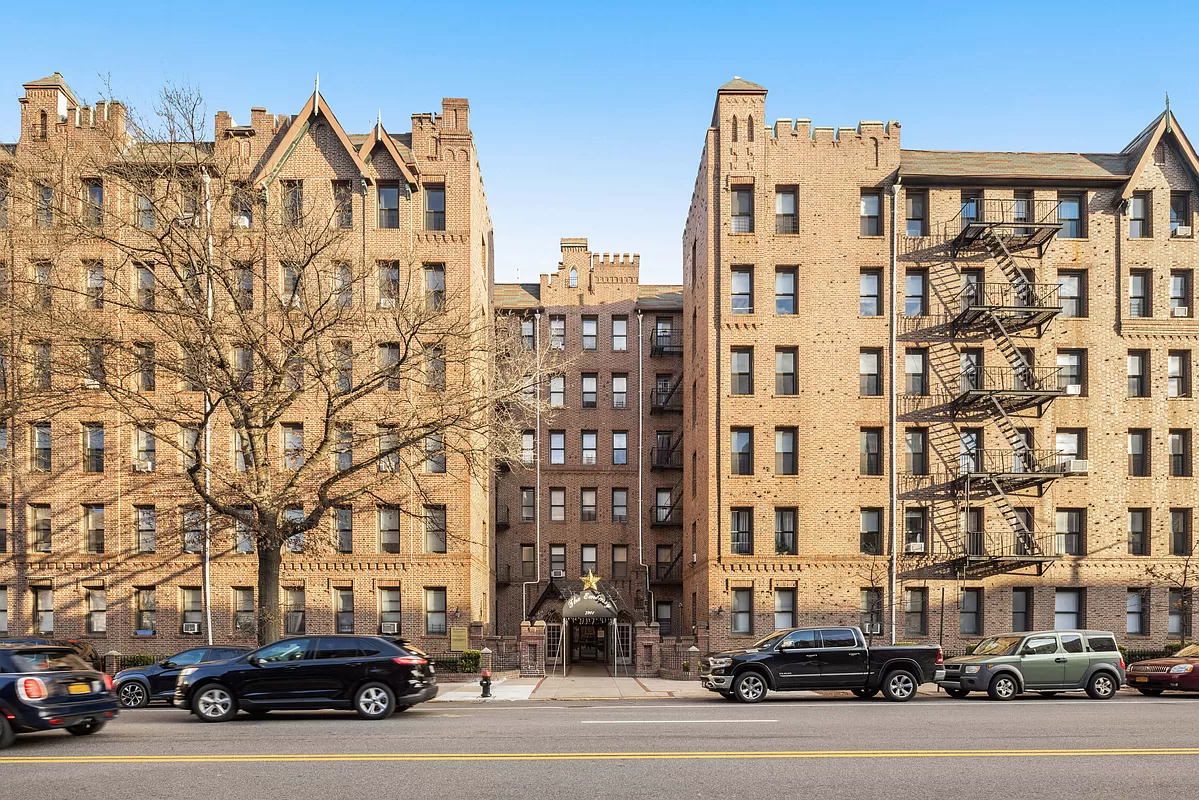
(127, 662)
(469, 661)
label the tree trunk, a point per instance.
(270, 626)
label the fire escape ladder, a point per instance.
(1024, 536)
(1005, 345)
(1024, 454)
(1007, 265)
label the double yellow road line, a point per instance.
(266, 758)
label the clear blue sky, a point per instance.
(589, 118)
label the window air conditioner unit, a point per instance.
(557, 573)
(1182, 311)
(143, 465)
(1074, 388)
(242, 222)
(872, 629)
(387, 302)
(914, 547)
(191, 627)
(390, 627)
(1078, 465)
(1182, 230)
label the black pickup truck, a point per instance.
(821, 659)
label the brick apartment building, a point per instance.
(981, 371)
(94, 544)
(600, 489)
(1022, 332)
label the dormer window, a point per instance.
(389, 205)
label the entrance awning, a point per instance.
(588, 605)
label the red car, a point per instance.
(1179, 672)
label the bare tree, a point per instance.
(280, 406)
(1181, 575)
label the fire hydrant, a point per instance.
(485, 682)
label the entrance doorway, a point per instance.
(588, 643)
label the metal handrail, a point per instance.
(669, 458)
(1034, 461)
(1007, 211)
(1006, 543)
(1006, 295)
(1009, 379)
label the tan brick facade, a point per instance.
(439, 153)
(839, 177)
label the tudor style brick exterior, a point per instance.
(439, 152)
(830, 170)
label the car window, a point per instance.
(1040, 645)
(368, 647)
(334, 647)
(838, 637)
(801, 639)
(997, 646)
(1102, 644)
(188, 657)
(47, 660)
(284, 650)
(1072, 643)
(227, 652)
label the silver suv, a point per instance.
(1046, 662)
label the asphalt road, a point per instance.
(931, 747)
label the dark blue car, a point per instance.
(137, 686)
(45, 688)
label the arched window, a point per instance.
(749, 125)
(734, 127)
(41, 126)
(574, 278)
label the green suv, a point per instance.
(1046, 662)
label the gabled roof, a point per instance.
(660, 297)
(516, 295)
(378, 136)
(54, 81)
(1140, 150)
(739, 85)
(298, 127)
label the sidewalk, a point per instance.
(581, 683)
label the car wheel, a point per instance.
(7, 735)
(1102, 686)
(214, 703)
(899, 685)
(865, 694)
(958, 693)
(750, 687)
(1151, 692)
(86, 728)
(1003, 687)
(374, 701)
(133, 694)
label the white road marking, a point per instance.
(666, 721)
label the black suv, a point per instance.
(137, 686)
(44, 688)
(372, 675)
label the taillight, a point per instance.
(412, 661)
(31, 689)
(1121, 662)
(940, 656)
(108, 682)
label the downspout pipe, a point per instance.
(206, 559)
(892, 410)
(524, 587)
(649, 595)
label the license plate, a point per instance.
(79, 688)
(1142, 680)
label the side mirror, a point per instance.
(168, 664)
(255, 661)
